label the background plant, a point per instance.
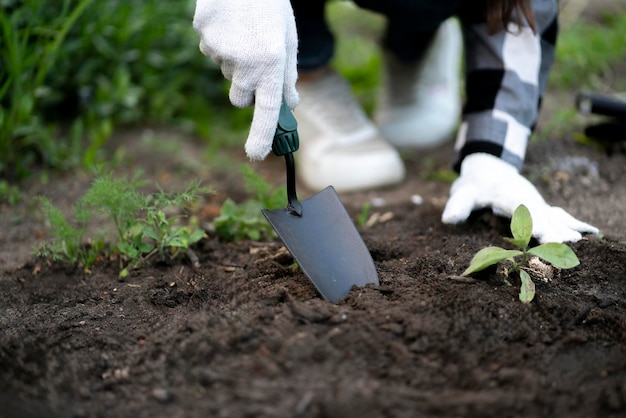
(9, 193)
(29, 50)
(364, 214)
(68, 235)
(244, 220)
(586, 49)
(557, 254)
(73, 70)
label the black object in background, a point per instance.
(598, 104)
(613, 129)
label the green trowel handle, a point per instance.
(286, 142)
(286, 138)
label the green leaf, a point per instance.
(527, 289)
(196, 236)
(254, 234)
(180, 242)
(521, 227)
(521, 244)
(144, 247)
(557, 254)
(128, 250)
(151, 233)
(489, 256)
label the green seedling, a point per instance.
(245, 220)
(145, 225)
(157, 232)
(364, 215)
(431, 171)
(68, 235)
(557, 254)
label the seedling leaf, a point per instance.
(196, 236)
(527, 289)
(521, 227)
(557, 254)
(489, 256)
(151, 233)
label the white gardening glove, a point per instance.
(255, 43)
(488, 181)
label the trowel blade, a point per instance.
(326, 244)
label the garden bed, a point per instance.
(242, 333)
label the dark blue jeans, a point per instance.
(411, 25)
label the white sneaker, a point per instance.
(419, 104)
(339, 145)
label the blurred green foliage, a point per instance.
(358, 55)
(245, 220)
(586, 49)
(586, 57)
(72, 70)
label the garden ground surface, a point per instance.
(243, 334)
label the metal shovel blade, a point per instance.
(326, 244)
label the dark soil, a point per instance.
(244, 335)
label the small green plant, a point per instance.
(68, 244)
(364, 215)
(557, 254)
(431, 171)
(144, 224)
(157, 232)
(8, 193)
(245, 220)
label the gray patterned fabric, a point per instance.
(506, 75)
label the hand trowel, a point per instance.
(318, 231)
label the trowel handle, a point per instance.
(593, 103)
(286, 138)
(286, 142)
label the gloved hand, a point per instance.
(488, 181)
(255, 43)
